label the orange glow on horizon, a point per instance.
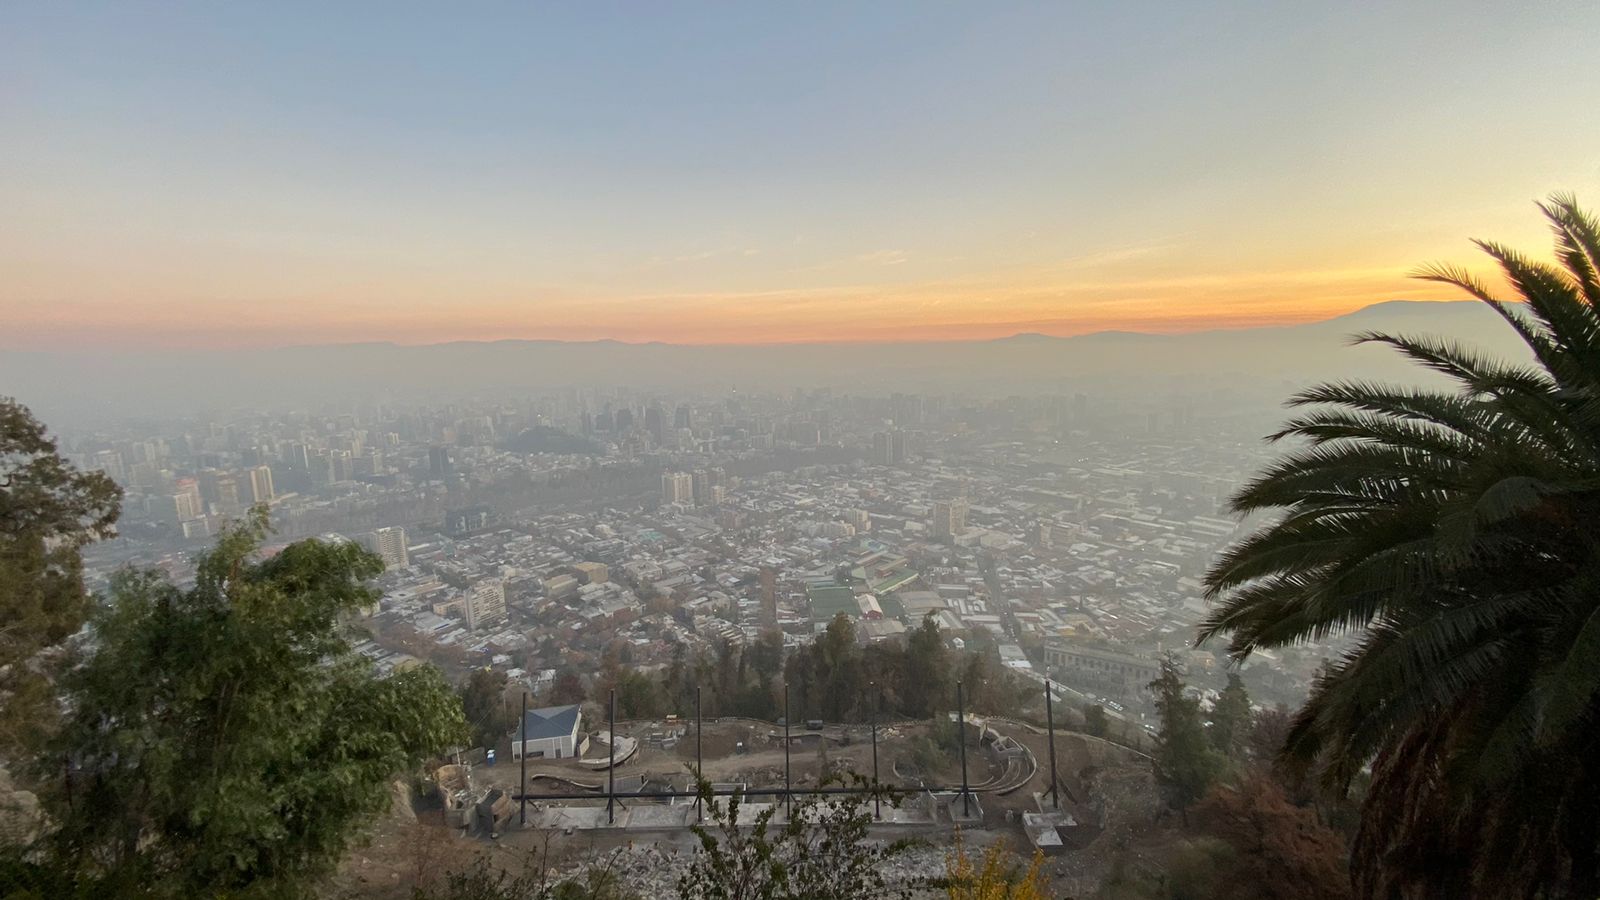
(957, 310)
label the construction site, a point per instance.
(640, 776)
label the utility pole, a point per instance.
(522, 751)
(788, 805)
(699, 758)
(611, 770)
(877, 797)
(961, 734)
(1050, 722)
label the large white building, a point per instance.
(485, 603)
(390, 545)
(551, 733)
(259, 482)
(677, 487)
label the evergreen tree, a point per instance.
(1185, 763)
(1230, 718)
(483, 702)
(927, 687)
(1095, 721)
(48, 511)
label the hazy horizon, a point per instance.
(234, 177)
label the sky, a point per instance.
(214, 175)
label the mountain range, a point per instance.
(95, 386)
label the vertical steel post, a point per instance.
(877, 798)
(611, 770)
(699, 758)
(522, 751)
(961, 735)
(1050, 722)
(788, 806)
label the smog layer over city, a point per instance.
(678, 450)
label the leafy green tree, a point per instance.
(821, 852)
(766, 657)
(839, 663)
(638, 696)
(993, 689)
(1450, 533)
(927, 688)
(226, 738)
(1185, 763)
(48, 511)
(484, 703)
(1230, 718)
(1095, 721)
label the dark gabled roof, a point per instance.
(552, 721)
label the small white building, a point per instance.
(551, 733)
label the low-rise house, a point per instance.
(551, 732)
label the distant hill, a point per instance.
(95, 386)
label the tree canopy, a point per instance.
(1186, 765)
(48, 511)
(226, 737)
(1449, 532)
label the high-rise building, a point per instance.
(258, 482)
(677, 487)
(949, 518)
(230, 498)
(173, 509)
(683, 417)
(707, 485)
(769, 597)
(339, 466)
(439, 462)
(906, 409)
(899, 447)
(390, 546)
(485, 603)
(882, 449)
(191, 506)
(655, 424)
(111, 463)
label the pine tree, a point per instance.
(1185, 763)
(1230, 718)
(48, 511)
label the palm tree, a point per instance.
(1452, 535)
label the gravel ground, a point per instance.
(653, 872)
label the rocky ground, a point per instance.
(652, 871)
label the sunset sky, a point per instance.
(203, 175)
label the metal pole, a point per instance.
(611, 770)
(699, 759)
(1050, 722)
(788, 808)
(961, 735)
(877, 799)
(522, 751)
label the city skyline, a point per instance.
(234, 177)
